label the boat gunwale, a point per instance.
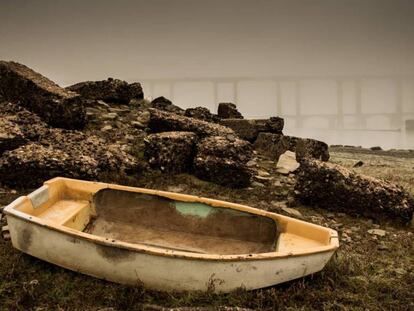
(159, 251)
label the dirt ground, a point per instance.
(369, 272)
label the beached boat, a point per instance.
(164, 240)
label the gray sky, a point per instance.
(71, 41)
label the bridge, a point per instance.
(380, 103)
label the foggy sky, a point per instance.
(71, 41)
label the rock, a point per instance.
(251, 163)
(376, 148)
(358, 164)
(274, 145)
(228, 111)
(106, 128)
(55, 105)
(292, 211)
(109, 116)
(250, 129)
(171, 151)
(110, 90)
(32, 164)
(263, 173)
(257, 184)
(162, 103)
(287, 163)
(161, 121)
(30, 125)
(334, 187)
(223, 162)
(201, 113)
(10, 135)
(378, 232)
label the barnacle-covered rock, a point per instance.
(55, 105)
(171, 151)
(201, 113)
(250, 129)
(223, 160)
(334, 187)
(162, 121)
(110, 90)
(228, 111)
(273, 145)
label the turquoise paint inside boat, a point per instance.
(194, 209)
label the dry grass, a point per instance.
(367, 273)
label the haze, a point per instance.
(352, 59)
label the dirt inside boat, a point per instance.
(169, 221)
(189, 226)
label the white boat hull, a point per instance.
(158, 272)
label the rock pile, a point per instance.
(273, 145)
(39, 151)
(171, 151)
(223, 160)
(57, 106)
(228, 111)
(162, 121)
(110, 90)
(334, 187)
(250, 129)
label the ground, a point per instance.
(368, 272)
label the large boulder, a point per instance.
(30, 165)
(162, 121)
(171, 152)
(228, 111)
(110, 90)
(11, 136)
(55, 105)
(201, 113)
(250, 129)
(274, 145)
(334, 187)
(162, 103)
(222, 160)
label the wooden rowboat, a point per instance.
(164, 240)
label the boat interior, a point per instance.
(168, 220)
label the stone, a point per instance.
(223, 162)
(228, 111)
(171, 151)
(162, 121)
(32, 164)
(201, 113)
(358, 164)
(292, 211)
(377, 232)
(55, 105)
(110, 90)
(376, 148)
(250, 129)
(11, 136)
(106, 128)
(287, 163)
(165, 104)
(274, 145)
(257, 184)
(334, 187)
